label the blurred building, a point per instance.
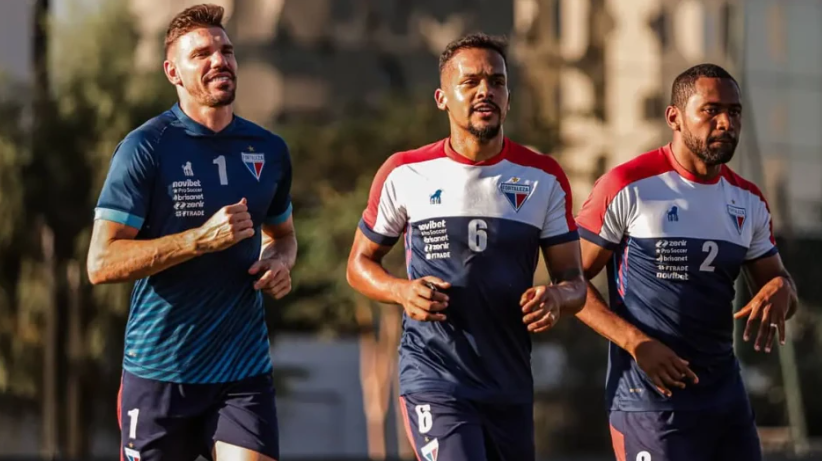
(15, 50)
(316, 57)
(604, 69)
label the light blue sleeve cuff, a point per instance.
(118, 216)
(280, 218)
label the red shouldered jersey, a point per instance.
(679, 244)
(478, 226)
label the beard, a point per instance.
(484, 134)
(222, 95)
(711, 155)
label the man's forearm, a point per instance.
(372, 280)
(126, 260)
(601, 319)
(283, 248)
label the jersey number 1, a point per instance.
(221, 170)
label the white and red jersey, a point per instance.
(679, 244)
(478, 226)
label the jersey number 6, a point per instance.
(477, 235)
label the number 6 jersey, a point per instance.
(679, 244)
(478, 226)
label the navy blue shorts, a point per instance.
(442, 427)
(162, 421)
(699, 435)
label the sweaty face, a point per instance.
(205, 62)
(475, 91)
(712, 120)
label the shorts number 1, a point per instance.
(132, 424)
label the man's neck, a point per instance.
(213, 118)
(692, 163)
(470, 147)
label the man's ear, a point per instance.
(673, 117)
(170, 69)
(441, 99)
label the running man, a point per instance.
(476, 208)
(196, 210)
(675, 227)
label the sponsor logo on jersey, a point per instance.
(254, 162)
(673, 214)
(187, 170)
(738, 216)
(131, 454)
(436, 197)
(430, 450)
(516, 192)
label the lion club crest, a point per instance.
(516, 192)
(254, 163)
(738, 216)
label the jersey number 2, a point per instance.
(221, 170)
(477, 235)
(712, 249)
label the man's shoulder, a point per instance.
(530, 157)
(148, 135)
(248, 129)
(736, 180)
(425, 153)
(646, 165)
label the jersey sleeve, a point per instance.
(384, 218)
(280, 208)
(127, 189)
(559, 226)
(603, 218)
(763, 243)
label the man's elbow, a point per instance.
(96, 270)
(350, 273)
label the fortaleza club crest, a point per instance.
(254, 162)
(738, 216)
(131, 454)
(516, 191)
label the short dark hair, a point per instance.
(684, 84)
(195, 17)
(495, 43)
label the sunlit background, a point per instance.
(347, 83)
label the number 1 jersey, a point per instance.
(201, 321)
(478, 226)
(678, 246)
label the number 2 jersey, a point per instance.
(478, 226)
(678, 246)
(200, 321)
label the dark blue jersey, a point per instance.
(200, 321)
(679, 244)
(478, 226)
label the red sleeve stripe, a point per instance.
(524, 156)
(592, 215)
(429, 152)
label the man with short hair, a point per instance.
(196, 210)
(675, 227)
(476, 208)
